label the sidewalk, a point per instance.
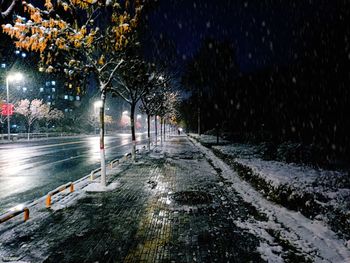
(174, 205)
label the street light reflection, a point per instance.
(13, 166)
(94, 149)
(17, 184)
(17, 207)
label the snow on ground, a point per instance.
(97, 187)
(311, 236)
(319, 193)
(299, 177)
(322, 193)
(239, 149)
(207, 138)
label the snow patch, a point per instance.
(311, 236)
(97, 187)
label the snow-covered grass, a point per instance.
(313, 237)
(317, 193)
(207, 139)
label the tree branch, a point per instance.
(8, 11)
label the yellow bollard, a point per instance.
(48, 201)
(26, 214)
(72, 188)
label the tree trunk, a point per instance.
(102, 139)
(164, 129)
(28, 131)
(47, 129)
(156, 128)
(217, 133)
(149, 131)
(133, 136)
(199, 112)
(161, 131)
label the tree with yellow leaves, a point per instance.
(79, 38)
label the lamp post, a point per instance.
(97, 106)
(12, 77)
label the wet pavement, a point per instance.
(31, 169)
(171, 206)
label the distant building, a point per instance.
(51, 88)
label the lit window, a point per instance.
(66, 97)
(53, 83)
(24, 89)
(49, 103)
(3, 65)
(53, 89)
(70, 110)
(24, 55)
(49, 97)
(47, 83)
(17, 52)
(41, 89)
(65, 110)
(77, 98)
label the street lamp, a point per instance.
(97, 106)
(10, 78)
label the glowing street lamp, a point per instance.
(98, 104)
(10, 78)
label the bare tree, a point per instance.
(136, 81)
(155, 88)
(129, 84)
(167, 108)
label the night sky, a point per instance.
(264, 33)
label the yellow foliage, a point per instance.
(89, 40)
(82, 4)
(101, 61)
(48, 4)
(44, 32)
(65, 6)
(83, 30)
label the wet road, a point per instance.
(30, 170)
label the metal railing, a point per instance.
(93, 172)
(70, 185)
(12, 213)
(24, 136)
